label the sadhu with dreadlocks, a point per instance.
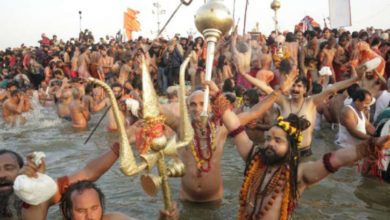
(274, 177)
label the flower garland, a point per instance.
(279, 180)
(279, 55)
(200, 159)
(285, 208)
(290, 130)
(151, 128)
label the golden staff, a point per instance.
(213, 20)
(158, 147)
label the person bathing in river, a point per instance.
(274, 176)
(78, 112)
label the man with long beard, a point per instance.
(10, 164)
(274, 178)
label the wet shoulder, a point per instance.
(116, 216)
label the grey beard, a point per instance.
(10, 207)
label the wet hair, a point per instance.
(239, 90)
(360, 95)
(363, 34)
(376, 41)
(355, 34)
(343, 38)
(137, 83)
(15, 92)
(285, 66)
(18, 158)
(290, 37)
(230, 97)
(66, 204)
(228, 85)
(326, 29)
(304, 81)
(309, 35)
(352, 88)
(89, 88)
(116, 84)
(12, 83)
(301, 124)
(252, 96)
(317, 88)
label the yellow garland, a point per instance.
(200, 162)
(239, 102)
(289, 129)
(279, 55)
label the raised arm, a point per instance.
(314, 171)
(18, 109)
(97, 107)
(91, 172)
(318, 99)
(260, 108)
(258, 83)
(231, 122)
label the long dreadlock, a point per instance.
(293, 125)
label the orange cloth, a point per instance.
(265, 75)
(130, 22)
(63, 184)
(365, 53)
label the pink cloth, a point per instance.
(241, 81)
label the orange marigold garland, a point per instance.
(285, 209)
(257, 166)
(219, 105)
(249, 175)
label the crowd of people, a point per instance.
(268, 94)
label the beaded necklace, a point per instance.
(278, 183)
(203, 161)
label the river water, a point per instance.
(344, 195)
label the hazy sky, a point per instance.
(23, 21)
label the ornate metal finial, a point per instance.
(275, 5)
(213, 19)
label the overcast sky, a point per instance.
(23, 21)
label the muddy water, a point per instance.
(344, 195)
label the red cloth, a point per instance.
(241, 81)
(45, 41)
(12, 61)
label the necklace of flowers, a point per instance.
(257, 166)
(204, 163)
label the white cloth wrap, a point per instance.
(35, 190)
(32, 190)
(133, 106)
